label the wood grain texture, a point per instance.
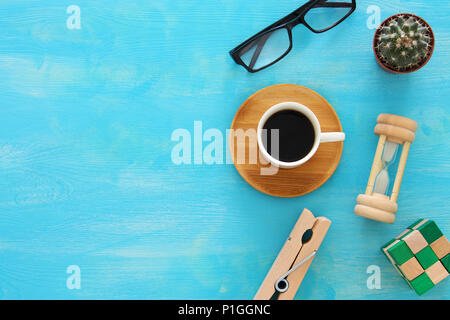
(287, 256)
(285, 182)
(86, 176)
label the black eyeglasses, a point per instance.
(275, 42)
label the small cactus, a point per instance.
(404, 43)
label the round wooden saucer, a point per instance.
(286, 182)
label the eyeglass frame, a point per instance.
(289, 22)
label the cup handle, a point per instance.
(332, 136)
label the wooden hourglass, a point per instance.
(394, 132)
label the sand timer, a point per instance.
(380, 200)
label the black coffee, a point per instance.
(296, 135)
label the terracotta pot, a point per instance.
(387, 68)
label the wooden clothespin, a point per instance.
(293, 261)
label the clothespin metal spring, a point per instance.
(282, 285)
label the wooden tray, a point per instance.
(309, 176)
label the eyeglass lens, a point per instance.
(326, 14)
(266, 49)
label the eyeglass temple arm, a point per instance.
(258, 50)
(262, 40)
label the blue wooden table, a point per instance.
(88, 187)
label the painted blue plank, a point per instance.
(86, 176)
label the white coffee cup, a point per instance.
(320, 137)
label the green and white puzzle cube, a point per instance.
(421, 254)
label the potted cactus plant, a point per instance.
(403, 43)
